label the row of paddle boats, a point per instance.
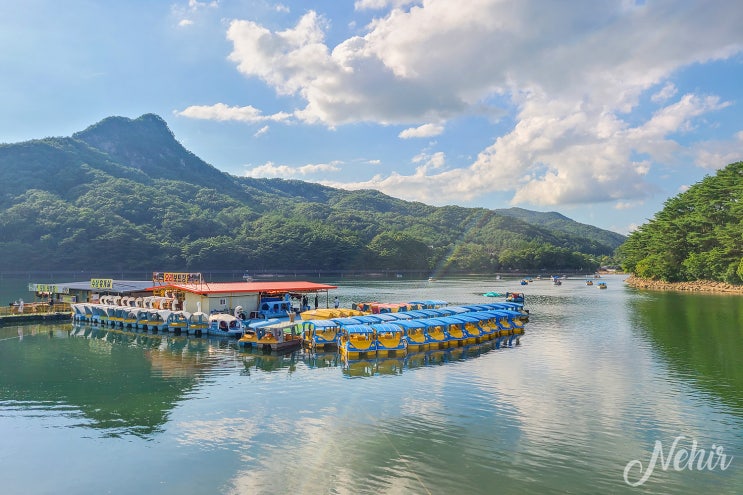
(157, 320)
(394, 333)
(388, 332)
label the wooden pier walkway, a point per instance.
(34, 312)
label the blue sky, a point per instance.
(600, 110)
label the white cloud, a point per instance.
(381, 4)
(261, 131)
(667, 92)
(271, 169)
(569, 77)
(426, 130)
(196, 5)
(222, 112)
(186, 13)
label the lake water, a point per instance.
(600, 379)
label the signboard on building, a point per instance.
(48, 289)
(101, 283)
(176, 278)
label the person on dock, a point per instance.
(336, 302)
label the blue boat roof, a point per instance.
(386, 327)
(385, 316)
(466, 317)
(368, 319)
(346, 320)
(401, 315)
(358, 329)
(321, 323)
(415, 314)
(410, 323)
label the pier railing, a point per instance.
(35, 308)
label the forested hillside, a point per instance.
(697, 236)
(125, 195)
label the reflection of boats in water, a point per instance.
(257, 359)
(181, 355)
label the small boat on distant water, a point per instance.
(602, 285)
(515, 297)
(589, 282)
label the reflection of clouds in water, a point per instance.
(562, 392)
(302, 467)
(219, 433)
(323, 456)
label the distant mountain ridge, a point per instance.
(125, 194)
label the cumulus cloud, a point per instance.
(271, 169)
(668, 91)
(426, 130)
(185, 13)
(222, 112)
(381, 4)
(571, 79)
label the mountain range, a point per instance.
(124, 194)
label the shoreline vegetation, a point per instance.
(692, 286)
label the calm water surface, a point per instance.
(599, 378)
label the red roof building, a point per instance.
(256, 299)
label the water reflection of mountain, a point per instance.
(127, 382)
(700, 335)
(120, 382)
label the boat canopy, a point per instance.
(321, 324)
(359, 329)
(348, 320)
(410, 324)
(386, 327)
(430, 303)
(466, 318)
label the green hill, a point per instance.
(125, 195)
(696, 236)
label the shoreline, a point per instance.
(693, 286)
